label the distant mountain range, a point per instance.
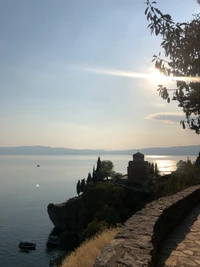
(45, 150)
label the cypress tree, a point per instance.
(78, 187)
(98, 164)
(156, 169)
(82, 185)
(94, 175)
(89, 178)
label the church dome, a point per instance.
(138, 157)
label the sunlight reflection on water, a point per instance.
(166, 164)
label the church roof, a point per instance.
(138, 154)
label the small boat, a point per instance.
(27, 245)
(53, 240)
(38, 165)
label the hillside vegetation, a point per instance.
(105, 205)
(85, 255)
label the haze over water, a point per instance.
(26, 191)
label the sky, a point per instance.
(68, 75)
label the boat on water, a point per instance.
(27, 245)
(53, 239)
(38, 165)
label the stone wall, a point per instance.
(143, 234)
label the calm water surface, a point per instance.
(25, 192)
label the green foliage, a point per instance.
(187, 174)
(98, 172)
(103, 204)
(103, 171)
(108, 214)
(82, 185)
(116, 175)
(98, 163)
(100, 194)
(197, 162)
(94, 175)
(181, 59)
(95, 227)
(78, 187)
(89, 178)
(106, 169)
(68, 240)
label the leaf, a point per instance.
(146, 10)
(157, 31)
(158, 11)
(167, 16)
(149, 15)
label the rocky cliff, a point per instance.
(64, 216)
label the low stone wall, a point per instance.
(140, 241)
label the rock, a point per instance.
(65, 215)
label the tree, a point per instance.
(183, 165)
(99, 174)
(82, 185)
(197, 162)
(78, 187)
(116, 176)
(107, 169)
(89, 178)
(98, 163)
(94, 175)
(181, 61)
(156, 171)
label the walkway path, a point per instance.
(182, 248)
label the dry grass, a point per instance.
(85, 255)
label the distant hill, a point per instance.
(45, 150)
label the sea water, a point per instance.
(26, 190)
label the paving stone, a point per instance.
(188, 252)
(184, 242)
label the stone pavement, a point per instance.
(182, 247)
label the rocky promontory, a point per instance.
(64, 216)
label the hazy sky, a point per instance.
(54, 90)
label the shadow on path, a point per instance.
(177, 236)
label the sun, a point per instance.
(157, 78)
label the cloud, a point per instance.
(159, 105)
(167, 117)
(153, 76)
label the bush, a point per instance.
(94, 228)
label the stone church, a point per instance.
(138, 172)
